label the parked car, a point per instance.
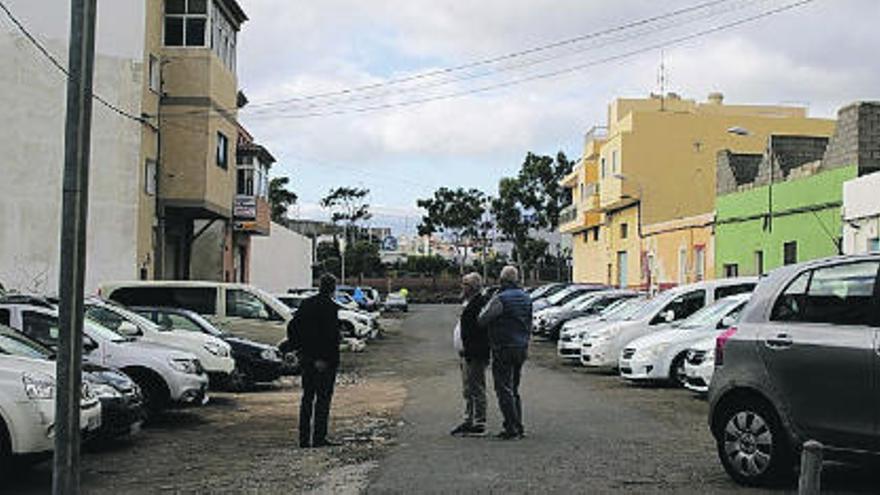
(352, 323)
(546, 290)
(254, 362)
(368, 303)
(550, 320)
(573, 332)
(213, 353)
(27, 408)
(700, 365)
(660, 356)
(565, 295)
(239, 309)
(165, 376)
(801, 363)
(395, 301)
(602, 348)
(121, 401)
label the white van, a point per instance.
(238, 309)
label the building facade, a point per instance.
(861, 215)
(644, 191)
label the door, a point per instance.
(621, 269)
(819, 348)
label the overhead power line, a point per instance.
(499, 58)
(58, 65)
(547, 75)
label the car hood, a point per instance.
(26, 364)
(193, 338)
(242, 343)
(160, 350)
(674, 336)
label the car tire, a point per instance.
(155, 390)
(5, 451)
(677, 377)
(239, 381)
(752, 444)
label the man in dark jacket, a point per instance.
(509, 318)
(474, 355)
(314, 333)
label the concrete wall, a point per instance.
(861, 214)
(280, 261)
(32, 96)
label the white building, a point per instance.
(861, 215)
(281, 261)
(32, 99)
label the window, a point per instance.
(759, 262)
(245, 181)
(186, 22)
(683, 306)
(202, 300)
(624, 230)
(4, 317)
(171, 321)
(604, 172)
(614, 162)
(104, 317)
(155, 74)
(789, 253)
(732, 290)
(223, 38)
(40, 327)
(243, 304)
(731, 270)
(150, 177)
(682, 265)
(699, 264)
(222, 150)
(874, 245)
(596, 234)
(840, 295)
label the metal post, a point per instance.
(810, 481)
(343, 249)
(77, 135)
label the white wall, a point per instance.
(32, 108)
(281, 260)
(861, 213)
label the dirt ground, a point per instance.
(247, 443)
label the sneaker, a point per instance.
(477, 431)
(461, 429)
(508, 435)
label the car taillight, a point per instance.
(720, 342)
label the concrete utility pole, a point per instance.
(75, 200)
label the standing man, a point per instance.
(474, 358)
(508, 315)
(314, 333)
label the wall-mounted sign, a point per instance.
(246, 226)
(245, 207)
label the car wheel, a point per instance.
(239, 381)
(677, 375)
(752, 444)
(155, 391)
(5, 451)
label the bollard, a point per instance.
(811, 469)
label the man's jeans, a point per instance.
(316, 398)
(473, 385)
(507, 365)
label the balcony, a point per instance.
(568, 214)
(596, 133)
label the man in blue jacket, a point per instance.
(508, 315)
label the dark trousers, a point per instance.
(473, 387)
(507, 366)
(316, 398)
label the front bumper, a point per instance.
(121, 416)
(597, 354)
(216, 364)
(698, 377)
(189, 389)
(569, 349)
(640, 368)
(261, 370)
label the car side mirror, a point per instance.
(669, 316)
(128, 328)
(727, 322)
(89, 344)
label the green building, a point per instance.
(784, 206)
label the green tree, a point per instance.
(363, 258)
(347, 205)
(539, 179)
(454, 212)
(280, 198)
(328, 257)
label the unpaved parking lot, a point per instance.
(247, 443)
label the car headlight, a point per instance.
(104, 391)
(183, 365)
(216, 349)
(270, 355)
(38, 387)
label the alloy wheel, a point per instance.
(748, 443)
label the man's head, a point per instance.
(327, 284)
(471, 284)
(509, 276)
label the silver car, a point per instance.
(802, 363)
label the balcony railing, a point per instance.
(568, 214)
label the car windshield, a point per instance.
(653, 305)
(205, 324)
(711, 315)
(624, 310)
(16, 344)
(136, 319)
(579, 301)
(94, 329)
(557, 297)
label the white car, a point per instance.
(27, 407)
(165, 375)
(574, 331)
(602, 348)
(214, 354)
(700, 365)
(660, 356)
(353, 323)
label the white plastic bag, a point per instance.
(456, 338)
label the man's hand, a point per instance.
(321, 365)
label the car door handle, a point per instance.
(780, 341)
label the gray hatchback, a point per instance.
(802, 363)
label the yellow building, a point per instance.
(645, 217)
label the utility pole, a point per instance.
(75, 200)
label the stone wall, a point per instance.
(735, 169)
(856, 139)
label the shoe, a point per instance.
(461, 429)
(327, 443)
(508, 435)
(476, 431)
